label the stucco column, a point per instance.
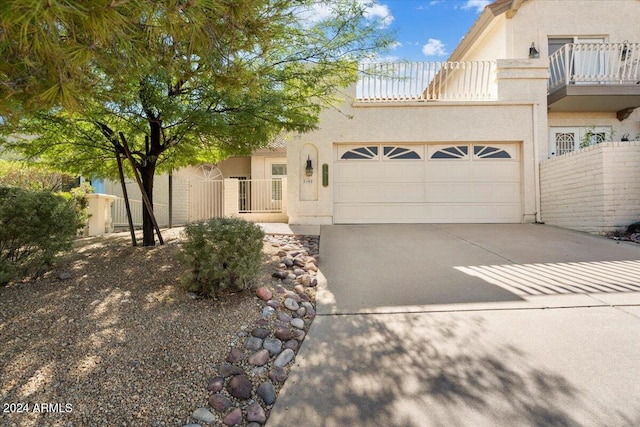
(285, 204)
(100, 222)
(526, 80)
(231, 197)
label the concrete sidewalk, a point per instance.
(458, 352)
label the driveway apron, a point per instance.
(440, 325)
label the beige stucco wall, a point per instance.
(160, 188)
(516, 117)
(537, 20)
(616, 20)
(596, 189)
(629, 126)
(491, 44)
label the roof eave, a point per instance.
(486, 17)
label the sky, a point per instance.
(426, 30)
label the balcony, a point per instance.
(595, 77)
(426, 81)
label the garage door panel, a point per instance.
(446, 171)
(402, 172)
(470, 188)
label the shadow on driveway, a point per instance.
(426, 370)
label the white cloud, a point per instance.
(478, 5)
(434, 47)
(379, 11)
(321, 10)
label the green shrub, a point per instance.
(224, 253)
(34, 227)
(33, 176)
(78, 198)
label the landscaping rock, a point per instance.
(283, 359)
(204, 415)
(291, 304)
(292, 344)
(253, 343)
(260, 332)
(240, 387)
(235, 355)
(65, 275)
(297, 323)
(233, 418)
(268, 311)
(215, 384)
(278, 374)
(284, 317)
(267, 392)
(273, 303)
(264, 293)
(288, 262)
(220, 402)
(273, 345)
(256, 413)
(283, 334)
(226, 371)
(259, 358)
(280, 274)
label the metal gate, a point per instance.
(206, 193)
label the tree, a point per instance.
(217, 78)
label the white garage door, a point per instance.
(386, 183)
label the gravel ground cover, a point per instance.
(110, 338)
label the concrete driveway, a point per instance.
(471, 325)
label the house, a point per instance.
(253, 187)
(533, 118)
(524, 123)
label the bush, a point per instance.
(78, 198)
(224, 253)
(33, 176)
(34, 227)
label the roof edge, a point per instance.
(490, 11)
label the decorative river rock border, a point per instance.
(245, 388)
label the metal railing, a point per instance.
(595, 63)
(260, 195)
(427, 81)
(119, 213)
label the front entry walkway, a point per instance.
(423, 325)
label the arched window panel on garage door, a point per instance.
(449, 152)
(391, 152)
(491, 152)
(370, 152)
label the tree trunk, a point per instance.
(147, 173)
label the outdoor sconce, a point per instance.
(533, 52)
(309, 168)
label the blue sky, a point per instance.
(427, 30)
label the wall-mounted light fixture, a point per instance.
(309, 168)
(533, 52)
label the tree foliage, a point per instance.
(175, 82)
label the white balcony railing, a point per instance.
(426, 81)
(595, 63)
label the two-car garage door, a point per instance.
(390, 183)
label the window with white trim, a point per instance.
(563, 140)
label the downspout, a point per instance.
(536, 161)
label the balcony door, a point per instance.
(584, 64)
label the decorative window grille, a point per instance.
(456, 152)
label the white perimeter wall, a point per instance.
(596, 189)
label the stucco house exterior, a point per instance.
(533, 118)
(494, 134)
